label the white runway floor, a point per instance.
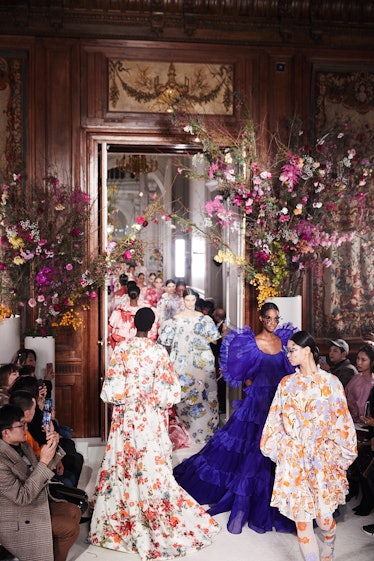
(351, 543)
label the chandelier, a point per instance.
(136, 164)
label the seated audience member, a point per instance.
(339, 363)
(358, 388)
(25, 401)
(69, 469)
(33, 526)
(8, 375)
(27, 357)
(361, 472)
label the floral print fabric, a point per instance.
(121, 323)
(309, 434)
(193, 360)
(139, 507)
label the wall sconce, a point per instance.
(136, 164)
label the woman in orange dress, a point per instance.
(310, 435)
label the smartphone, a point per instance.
(49, 367)
(48, 404)
(47, 419)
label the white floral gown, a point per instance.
(138, 505)
(193, 360)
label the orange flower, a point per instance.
(326, 391)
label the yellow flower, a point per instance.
(18, 260)
(16, 242)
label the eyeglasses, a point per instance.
(20, 426)
(268, 319)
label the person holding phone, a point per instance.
(33, 525)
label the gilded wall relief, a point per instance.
(12, 84)
(343, 304)
(161, 87)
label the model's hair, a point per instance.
(133, 290)
(5, 372)
(26, 383)
(180, 283)
(9, 414)
(190, 292)
(369, 351)
(22, 399)
(123, 278)
(22, 354)
(304, 339)
(268, 306)
(144, 319)
(169, 281)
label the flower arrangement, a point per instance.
(302, 201)
(45, 269)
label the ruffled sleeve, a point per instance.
(240, 356)
(167, 333)
(285, 331)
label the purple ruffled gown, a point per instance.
(230, 473)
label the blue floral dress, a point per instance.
(139, 507)
(230, 473)
(193, 361)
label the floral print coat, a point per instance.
(310, 435)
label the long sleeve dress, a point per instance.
(309, 434)
(189, 340)
(230, 473)
(139, 507)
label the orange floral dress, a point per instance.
(310, 435)
(138, 505)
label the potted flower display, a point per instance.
(303, 200)
(46, 272)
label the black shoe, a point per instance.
(363, 511)
(369, 530)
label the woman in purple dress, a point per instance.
(230, 473)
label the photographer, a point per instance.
(31, 527)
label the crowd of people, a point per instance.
(285, 460)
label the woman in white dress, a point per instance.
(138, 505)
(188, 335)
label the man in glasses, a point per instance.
(32, 527)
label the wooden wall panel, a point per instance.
(67, 91)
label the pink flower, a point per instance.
(32, 302)
(69, 267)
(127, 254)
(140, 219)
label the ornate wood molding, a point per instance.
(238, 21)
